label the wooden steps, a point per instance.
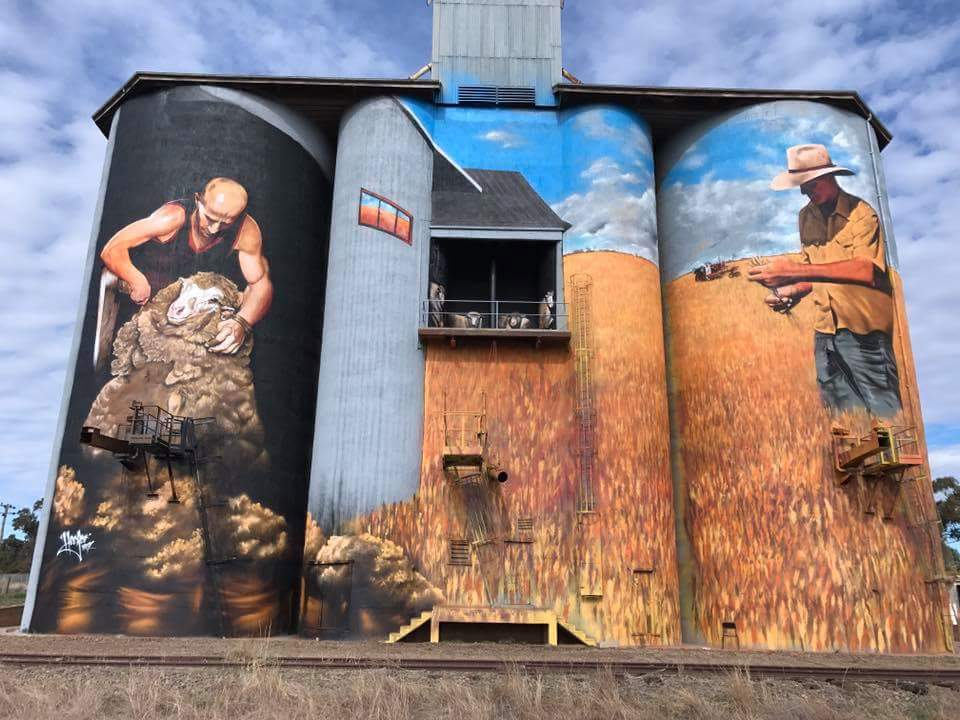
(576, 632)
(411, 627)
(492, 616)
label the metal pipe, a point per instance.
(570, 77)
(421, 72)
(495, 473)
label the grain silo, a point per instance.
(533, 211)
(566, 372)
(806, 511)
(178, 487)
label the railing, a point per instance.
(151, 421)
(902, 446)
(493, 315)
(463, 429)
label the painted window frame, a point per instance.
(397, 211)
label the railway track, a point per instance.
(945, 676)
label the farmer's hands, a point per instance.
(774, 274)
(784, 299)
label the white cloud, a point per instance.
(611, 214)
(59, 60)
(632, 139)
(606, 171)
(945, 461)
(693, 160)
(721, 219)
(504, 139)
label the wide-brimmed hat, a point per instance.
(804, 163)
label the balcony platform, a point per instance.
(539, 625)
(455, 336)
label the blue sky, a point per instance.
(60, 59)
(593, 166)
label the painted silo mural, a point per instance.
(179, 501)
(803, 498)
(543, 486)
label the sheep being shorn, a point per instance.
(162, 357)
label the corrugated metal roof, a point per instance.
(507, 201)
(324, 100)
(670, 109)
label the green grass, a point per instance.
(16, 598)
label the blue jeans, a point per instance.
(858, 371)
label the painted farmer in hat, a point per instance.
(844, 269)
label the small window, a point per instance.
(460, 552)
(379, 213)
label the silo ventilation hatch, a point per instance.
(496, 95)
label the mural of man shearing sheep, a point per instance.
(196, 270)
(844, 271)
(209, 232)
(196, 273)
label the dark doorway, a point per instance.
(494, 278)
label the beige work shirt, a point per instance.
(851, 231)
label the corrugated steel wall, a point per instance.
(370, 404)
(514, 44)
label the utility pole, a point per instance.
(3, 525)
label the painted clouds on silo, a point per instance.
(610, 199)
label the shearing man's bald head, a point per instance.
(223, 201)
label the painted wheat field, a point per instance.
(776, 545)
(532, 430)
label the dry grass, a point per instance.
(777, 546)
(530, 417)
(266, 693)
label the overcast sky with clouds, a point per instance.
(61, 59)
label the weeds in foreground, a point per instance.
(270, 693)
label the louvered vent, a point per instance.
(525, 530)
(477, 94)
(492, 95)
(516, 96)
(459, 552)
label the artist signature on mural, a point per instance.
(75, 543)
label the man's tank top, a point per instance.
(164, 263)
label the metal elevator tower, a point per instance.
(507, 52)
